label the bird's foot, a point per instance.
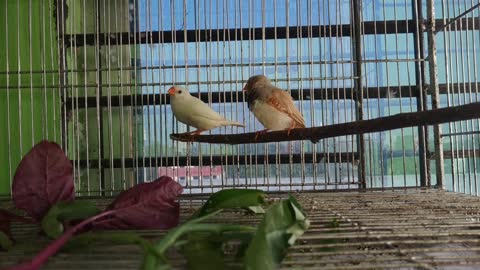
(194, 133)
(197, 132)
(260, 132)
(288, 131)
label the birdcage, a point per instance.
(389, 88)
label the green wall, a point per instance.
(118, 136)
(33, 99)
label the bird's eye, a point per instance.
(179, 91)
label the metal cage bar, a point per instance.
(341, 61)
(357, 23)
(432, 60)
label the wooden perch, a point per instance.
(401, 120)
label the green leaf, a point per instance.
(232, 198)
(204, 251)
(282, 224)
(170, 238)
(52, 223)
(116, 238)
(5, 242)
(244, 239)
(152, 262)
(256, 209)
(194, 225)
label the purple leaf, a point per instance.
(43, 178)
(145, 206)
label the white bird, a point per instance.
(273, 107)
(194, 112)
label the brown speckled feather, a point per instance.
(283, 102)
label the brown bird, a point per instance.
(272, 106)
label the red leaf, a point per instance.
(43, 178)
(145, 206)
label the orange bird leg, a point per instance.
(198, 131)
(288, 131)
(194, 133)
(260, 132)
(292, 126)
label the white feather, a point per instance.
(194, 112)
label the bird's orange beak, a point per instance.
(171, 91)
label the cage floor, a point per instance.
(395, 229)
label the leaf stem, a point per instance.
(56, 245)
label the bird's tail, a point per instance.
(232, 123)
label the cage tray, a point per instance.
(394, 229)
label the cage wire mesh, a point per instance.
(92, 75)
(341, 60)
